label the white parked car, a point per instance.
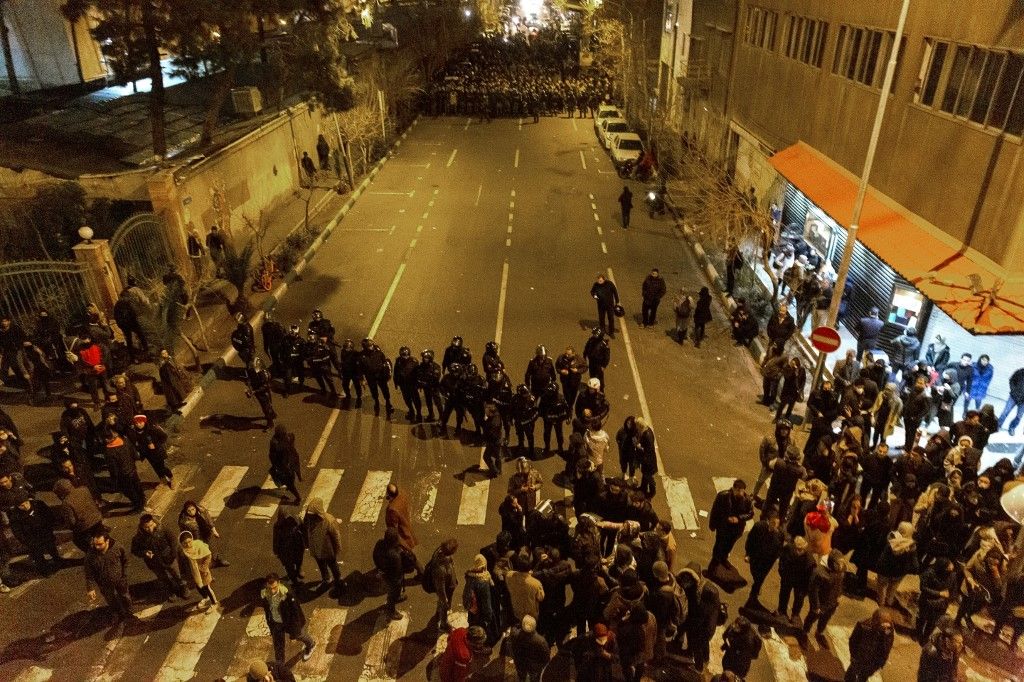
(609, 128)
(626, 147)
(605, 111)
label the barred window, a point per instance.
(760, 27)
(805, 40)
(973, 83)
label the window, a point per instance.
(977, 84)
(759, 29)
(862, 55)
(805, 40)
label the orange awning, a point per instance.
(971, 291)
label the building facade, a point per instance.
(941, 245)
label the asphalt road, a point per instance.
(488, 231)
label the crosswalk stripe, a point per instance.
(160, 501)
(456, 619)
(256, 644)
(227, 482)
(371, 497)
(785, 667)
(181, 660)
(716, 653)
(119, 651)
(322, 443)
(325, 628)
(680, 502)
(266, 502)
(426, 489)
(325, 485)
(384, 649)
(473, 506)
(839, 637)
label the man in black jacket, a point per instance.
(106, 570)
(387, 557)
(869, 328)
(376, 369)
(597, 354)
(284, 617)
(1015, 401)
(763, 546)
(243, 339)
(157, 546)
(607, 297)
(405, 381)
(730, 512)
(780, 328)
(652, 291)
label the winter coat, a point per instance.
(1016, 386)
(175, 382)
(779, 331)
(284, 458)
(702, 312)
(32, 527)
(726, 505)
(323, 536)
(397, 516)
(78, 509)
(107, 570)
(793, 381)
(293, 620)
(870, 646)
(637, 640)
(478, 596)
(763, 547)
(289, 540)
(899, 556)
(606, 294)
(905, 349)
(201, 525)
(530, 651)
(825, 587)
(197, 560)
(932, 584)
(741, 646)
(981, 377)
(162, 542)
(653, 288)
(889, 405)
(526, 594)
(785, 475)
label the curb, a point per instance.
(174, 421)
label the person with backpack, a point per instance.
(439, 579)
(387, 558)
(683, 308)
(703, 613)
(667, 602)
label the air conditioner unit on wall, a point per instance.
(247, 101)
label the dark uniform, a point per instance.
(450, 389)
(294, 360)
(318, 358)
(428, 379)
(524, 415)
(243, 340)
(351, 372)
(598, 354)
(540, 372)
(406, 369)
(321, 326)
(491, 361)
(259, 382)
(492, 441)
(555, 412)
(151, 442)
(474, 394)
(273, 342)
(570, 372)
(377, 369)
(499, 393)
(456, 353)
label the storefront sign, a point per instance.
(906, 306)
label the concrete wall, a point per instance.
(43, 44)
(967, 181)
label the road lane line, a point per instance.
(785, 667)
(516, 165)
(597, 217)
(513, 193)
(583, 160)
(680, 502)
(593, 206)
(510, 229)
(473, 505)
(426, 488)
(264, 511)
(430, 203)
(36, 673)
(181, 660)
(392, 230)
(508, 242)
(425, 214)
(466, 127)
(520, 124)
(600, 231)
(511, 216)
(223, 486)
(160, 501)
(387, 301)
(511, 205)
(573, 123)
(322, 443)
(412, 243)
(451, 158)
(591, 197)
(371, 497)
(256, 644)
(419, 228)
(479, 191)
(604, 248)
(325, 627)
(325, 485)
(384, 649)
(502, 292)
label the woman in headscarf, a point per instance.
(478, 594)
(196, 557)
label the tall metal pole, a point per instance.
(862, 189)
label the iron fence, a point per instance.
(62, 288)
(139, 248)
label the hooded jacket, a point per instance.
(826, 583)
(323, 537)
(289, 542)
(899, 556)
(77, 506)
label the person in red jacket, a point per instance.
(92, 367)
(463, 644)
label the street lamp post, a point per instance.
(858, 204)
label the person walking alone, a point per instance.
(652, 291)
(323, 537)
(626, 204)
(284, 461)
(701, 315)
(284, 617)
(106, 570)
(607, 297)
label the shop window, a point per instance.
(805, 40)
(981, 85)
(862, 55)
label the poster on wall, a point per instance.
(907, 303)
(817, 234)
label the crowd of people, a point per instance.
(520, 76)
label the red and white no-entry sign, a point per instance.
(825, 339)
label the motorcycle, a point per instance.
(655, 201)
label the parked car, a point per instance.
(605, 111)
(626, 148)
(609, 128)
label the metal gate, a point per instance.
(139, 247)
(61, 288)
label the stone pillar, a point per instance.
(166, 200)
(103, 278)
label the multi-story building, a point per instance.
(788, 92)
